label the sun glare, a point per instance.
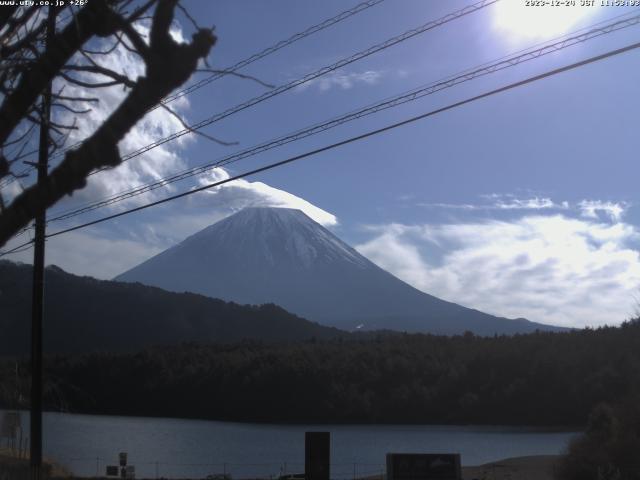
(521, 20)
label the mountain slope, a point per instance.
(84, 314)
(277, 255)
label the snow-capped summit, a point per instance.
(275, 235)
(281, 256)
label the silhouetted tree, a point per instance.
(26, 67)
(609, 447)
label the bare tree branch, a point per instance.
(168, 65)
(19, 153)
(13, 24)
(140, 47)
(140, 11)
(62, 126)
(189, 17)
(94, 19)
(4, 167)
(12, 48)
(97, 69)
(84, 84)
(6, 13)
(108, 51)
(59, 144)
(69, 109)
(197, 132)
(74, 99)
(20, 138)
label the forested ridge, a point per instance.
(84, 314)
(534, 379)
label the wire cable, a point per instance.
(272, 49)
(467, 75)
(363, 136)
(20, 248)
(469, 9)
(238, 65)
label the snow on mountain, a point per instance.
(281, 256)
(275, 235)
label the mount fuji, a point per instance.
(281, 256)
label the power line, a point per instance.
(412, 95)
(311, 76)
(347, 141)
(238, 65)
(362, 136)
(272, 49)
(20, 248)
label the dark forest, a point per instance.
(536, 379)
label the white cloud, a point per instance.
(613, 211)
(241, 193)
(551, 269)
(527, 204)
(343, 80)
(87, 253)
(402, 258)
(156, 124)
(12, 190)
(114, 249)
(109, 251)
(504, 202)
(167, 159)
(455, 206)
(591, 208)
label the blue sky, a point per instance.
(524, 204)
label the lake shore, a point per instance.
(175, 448)
(535, 467)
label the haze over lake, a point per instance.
(183, 448)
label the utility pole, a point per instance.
(37, 302)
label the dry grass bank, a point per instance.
(13, 467)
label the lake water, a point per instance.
(176, 448)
